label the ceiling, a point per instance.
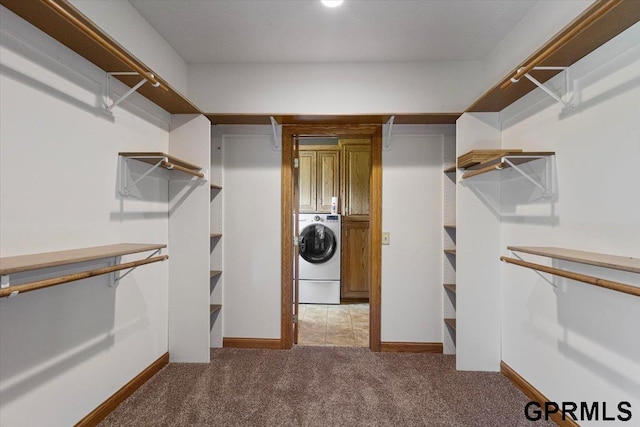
(289, 31)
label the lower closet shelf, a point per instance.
(25, 263)
(214, 307)
(451, 323)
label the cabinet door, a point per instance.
(328, 181)
(355, 260)
(356, 166)
(307, 181)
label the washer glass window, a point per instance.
(317, 243)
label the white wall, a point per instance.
(580, 343)
(342, 88)
(477, 251)
(412, 213)
(412, 270)
(251, 218)
(65, 349)
(124, 24)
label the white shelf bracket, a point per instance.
(388, 128)
(277, 134)
(551, 282)
(5, 282)
(128, 93)
(546, 89)
(116, 276)
(545, 188)
(125, 185)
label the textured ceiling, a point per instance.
(265, 31)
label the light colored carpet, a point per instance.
(323, 386)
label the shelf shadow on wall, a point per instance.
(590, 318)
(586, 332)
(620, 57)
(512, 198)
(56, 329)
(96, 109)
(74, 73)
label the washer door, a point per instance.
(317, 243)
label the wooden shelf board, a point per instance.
(591, 258)
(450, 226)
(215, 235)
(621, 17)
(497, 163)
(172, 159)
(475, 157)
(451, 323)
(318, 119)
(214, 307)
(450, 251)
(216, 187)
(16, 264)
(214, 273)
(57, 27)
(450, 169)
(450, 286)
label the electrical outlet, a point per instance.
(386, 237)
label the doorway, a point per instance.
(357, 312)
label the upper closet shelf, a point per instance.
(24, 263)
(65, 23)
(599, 23)
(156, 159)
(506, 161)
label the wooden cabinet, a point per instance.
(328, 179)
(354, 279)
(356, 166)
(319, 179)
(307, 181)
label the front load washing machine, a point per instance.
(319, 261)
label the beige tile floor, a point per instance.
(344, 325)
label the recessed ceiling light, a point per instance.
(332, 3)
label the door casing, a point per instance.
(374, 132)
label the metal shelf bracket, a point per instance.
(5, 282)
(128, 93)
(126, 187)
(546, 187)
(545, 88)
(116, 276)
(388, 127)
(552, 282)
(277, 134)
